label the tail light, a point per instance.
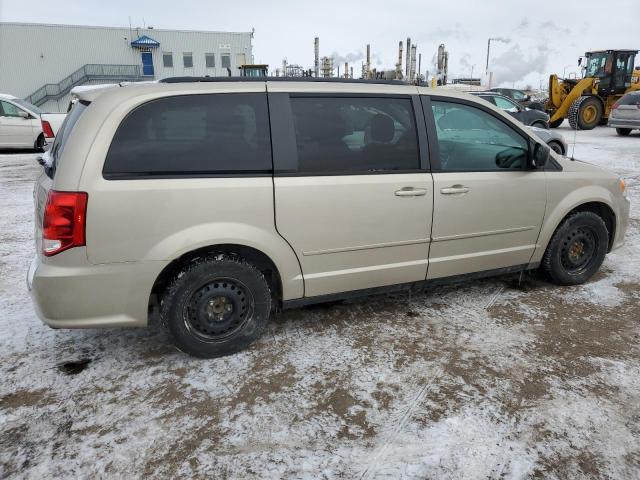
(615, 105)
(46, 129)
(63, 226)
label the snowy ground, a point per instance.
(489, 379)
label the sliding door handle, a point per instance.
(410, 192)
(454, 190)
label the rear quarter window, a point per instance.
(192, 135)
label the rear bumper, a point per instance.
(92, 296)
(623, 123)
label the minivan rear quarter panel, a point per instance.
(160, 219)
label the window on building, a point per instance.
(167, 59)
(187, 60)
(193, 135)
(473, 140)
(225, 60)
(210, 60)
(355, 135)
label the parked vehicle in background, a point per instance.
(555, 140)
(625, 114)
(532, 118)
(219, 202)
(23, 125)
(521, 97)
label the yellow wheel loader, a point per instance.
(586, 102)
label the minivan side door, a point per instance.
(15, 130)
(488, 207)
(353, 192)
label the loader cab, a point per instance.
(612, 68)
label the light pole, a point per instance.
(564, 70)
(472, 67)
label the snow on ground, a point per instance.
(488, 379)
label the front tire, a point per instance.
(623, 132)
(216, 306)
(577, 249)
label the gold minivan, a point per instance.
(221, 201)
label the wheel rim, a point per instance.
(218, 309)
(578, 250)
(589, 114)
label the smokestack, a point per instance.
(419, 64)
(408, 61)
(413, 63)
(346, 69)
(351, 72)
(316, 57)
(399, 64)
(368, 61)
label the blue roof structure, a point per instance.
(145, 42)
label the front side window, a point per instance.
(506, 105)
(225, 60)
(193, 134)
(167, 59)
(187, 60)
(354, 135)
(210, 60)
(518, 95)
(471, 139)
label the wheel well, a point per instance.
(603, 211)
(252, 255)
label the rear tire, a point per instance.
(215, 306)
(623, 132)
(40, 143)
(585, 113)
(556, 147)
(577, 249)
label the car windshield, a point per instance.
(27, 105)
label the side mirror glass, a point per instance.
(22, 114)
(541, 154)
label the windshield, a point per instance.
(65, 131)
(27, 105)
(598, 65)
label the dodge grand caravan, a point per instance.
(218, 202)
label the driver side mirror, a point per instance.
(540, 155)
(22, 114)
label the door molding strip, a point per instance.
(366, 247)
(482, 234)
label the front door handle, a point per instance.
(411, 192)
(454, 190)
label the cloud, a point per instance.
(513, 65)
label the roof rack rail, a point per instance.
(276, 79)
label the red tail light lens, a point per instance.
(615, 105)
(64, 222)
(46, 129)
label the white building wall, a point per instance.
(32, 55)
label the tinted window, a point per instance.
(472, 139)
(210, 60)
(167, 59)
(630, 99)
(193, 134)
(355, 134)
(225, 60)
(65, 130)
(187, 60)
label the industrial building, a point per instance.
(41, 62)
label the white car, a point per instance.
(23, 125)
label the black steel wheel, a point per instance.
(216, 306)
(577, 249)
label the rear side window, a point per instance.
(354, 135)
(62, 136)
(193, 135)
(630, 99)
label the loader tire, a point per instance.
(585, 113)
(556, 124)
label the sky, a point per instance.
(534, 38)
